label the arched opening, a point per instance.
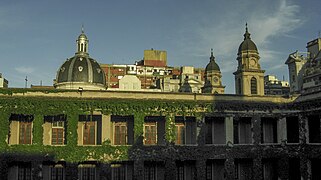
(253, 85)
(239, 86)
(82, 47)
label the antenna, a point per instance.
(26, 84)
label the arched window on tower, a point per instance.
(82, 47)
(239, 86)
(253, 85)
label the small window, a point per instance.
(243, 131)
(87, 172)
(180, 133)
(215, 130)
(269, 130)
(243, 169)
(24, 171)
(118, 172)
(253, 85)
(25, 131)
(314, 129)
(270, 169)
(89, 132)
(57, 134)
(215, 169)
(57, 172)
(150, 133)
(150, 171)
(292, 127)
(120, 133)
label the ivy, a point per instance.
(72, 107)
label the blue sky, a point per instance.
(38, 35)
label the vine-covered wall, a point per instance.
(39, 107)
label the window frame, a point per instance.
(120, 124)
(56, 126)
(22, 138)
(182, 129)
(150, 124)
(88, 133)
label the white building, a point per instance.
(3, 82)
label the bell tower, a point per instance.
(249, 77)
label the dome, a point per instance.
(81, 71)
(82, 36)
(212, 66)
(247, 44)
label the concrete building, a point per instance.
(312, 72)
(273, 86)
(129, 83)
(304, 68)
(296, 62)
(3, 82)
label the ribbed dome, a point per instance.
(81, 69)
(247, 44)
(212, 66)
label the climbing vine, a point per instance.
(72, 107)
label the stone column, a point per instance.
(257, 168)
(229, 130)
(303, 128)
(281, 130)
(230, 169)
(256, 124)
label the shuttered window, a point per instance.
(180, 133)
(150, 172)
(87, 172)
(57, 172)
(253, 85)
(150, 133)
(120, 133)
(25, 130)
(57, 134)
(118, 172)
(89, 133)
(24, 171)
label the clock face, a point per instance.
(215, 79)
(252, 62)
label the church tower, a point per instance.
(213, 78)
(249, 77)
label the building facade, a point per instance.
(3, 82)
(273, 86)
(78, 131)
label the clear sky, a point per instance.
(36, 36)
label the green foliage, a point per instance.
(72, 107)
